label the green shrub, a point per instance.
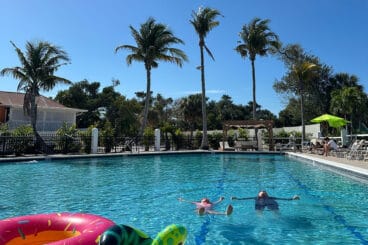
(214, 140)
(86, 139)
(197, 139)
(107, 136)
(66, 138)
(23, 139)
(178, 139)
(282, 134)
(148, 137)
(243, 133)
(4, 130)
(231, 138)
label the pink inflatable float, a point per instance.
(54, 228)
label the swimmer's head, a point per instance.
(205, 200)
(262, 194)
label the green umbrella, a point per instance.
(333, 121)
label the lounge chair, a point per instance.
(224, 146)
(355, 151)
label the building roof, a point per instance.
(15, 99)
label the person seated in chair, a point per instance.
(329, 144)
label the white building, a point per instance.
(50, 114)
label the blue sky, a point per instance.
(89, 31)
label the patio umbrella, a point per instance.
(333, 121)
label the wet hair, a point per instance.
(262, 193)
(206, 200)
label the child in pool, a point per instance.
(206, 206)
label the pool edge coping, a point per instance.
(341, 168)
(99, 155)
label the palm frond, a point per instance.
(153, 43)
(257, 39)
(209, 52)
(134, 57)
(204, 21)
(23, 60)
(131, 48)
(242, 50)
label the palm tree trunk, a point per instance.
(33, 113)
(146, 104)
(33, 116)
(302, 111)
(204, 144)
(254, 89)
(40, 144)
(254, 99)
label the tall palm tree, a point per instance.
(257, 40)
(302, 72)
(38, 65)
(203, 22)
(153, 42)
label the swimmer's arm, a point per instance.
(295, 197)
(242, 198)
(219, 200)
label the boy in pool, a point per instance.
(263, 200)
(206, 206)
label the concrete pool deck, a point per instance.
(354, 168)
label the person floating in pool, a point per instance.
(205, 206)
(263, 200)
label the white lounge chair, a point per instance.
(224, 146)
(355, 152)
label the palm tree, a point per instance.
(38, 65)
(203, 22)
(350, 102)
(257, 39)
(302, 72)
(153, 44)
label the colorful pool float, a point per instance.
(126, 235)
(54, 228)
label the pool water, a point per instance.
(142, 192)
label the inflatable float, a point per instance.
(54, 228)
(81, 229)
(126, 235)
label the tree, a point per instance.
(351, 103)
(302, 72)
(120, 112)
(257, 40)
(153, 44)
(190, 108)
(38, 65)
(316, 89)
(83, 95)
(161, 111)
(203, 22)
(124, 116)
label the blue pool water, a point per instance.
(142, 192)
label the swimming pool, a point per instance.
(142, 192)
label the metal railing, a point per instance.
(67, 144)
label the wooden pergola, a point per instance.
(256, 124)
